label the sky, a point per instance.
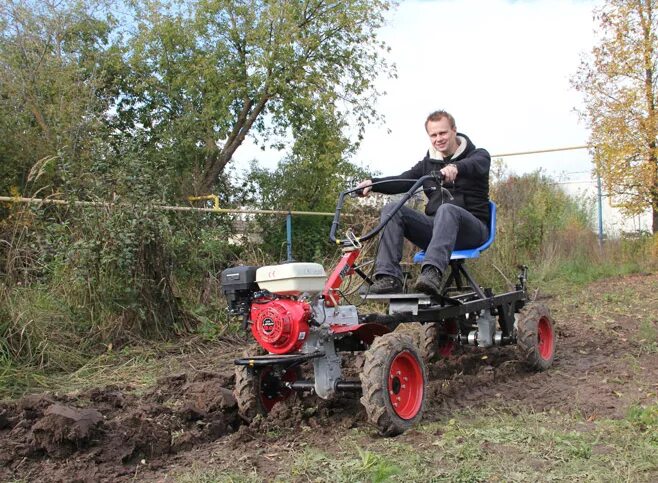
(501, 67)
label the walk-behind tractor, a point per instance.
(295, 314)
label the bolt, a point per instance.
(405, 378)
(399, 373)
(390, 392)
(404, 386)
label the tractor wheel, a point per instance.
(536, 336)
(393, 383)
(257, 390)
(413, 330)
(438, 340)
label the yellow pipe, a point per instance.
(13, 199)
(214, 198)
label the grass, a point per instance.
(483, 445)
(137, 366)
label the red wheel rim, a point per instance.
(446, 342)
(545, 338)
(446, 347)
(272, 389)
(405, 385)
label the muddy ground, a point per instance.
(605, 363)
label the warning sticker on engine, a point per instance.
(302, 336)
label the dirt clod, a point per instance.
(64, 429)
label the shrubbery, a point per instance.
(77, 280)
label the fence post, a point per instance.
(598, 186)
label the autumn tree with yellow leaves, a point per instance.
(619, 83)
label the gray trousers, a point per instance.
(451, 228)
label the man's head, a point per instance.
(442, 130)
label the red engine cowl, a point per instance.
(281, 325)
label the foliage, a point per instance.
(538, 224)
(308, 180)
(619, 83)
(56, 82)
(205, 74)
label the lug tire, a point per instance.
(393, 382)
(536, 337)
(436, 342)
(249, 388)
(413, 330)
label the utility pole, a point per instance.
(289, 236)
(600, 197)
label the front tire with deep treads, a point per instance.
(393, 382)
(258, 390)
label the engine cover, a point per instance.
(280, 325)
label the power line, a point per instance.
(539, 151)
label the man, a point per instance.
(460, 223)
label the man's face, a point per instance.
(442, 136)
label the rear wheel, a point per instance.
(439, 340)
(536, 336)
(393, 381)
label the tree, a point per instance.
(620, 86)
(207, 73)
(56, 83)
(310, 179)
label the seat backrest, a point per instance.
(475, 252)
(470, 252)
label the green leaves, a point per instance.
(620, 85)
(218, 71)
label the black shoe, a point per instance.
(386, 284)
(430, 282)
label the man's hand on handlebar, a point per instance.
(364, 187)
(449, 173)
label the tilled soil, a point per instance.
(604, 365)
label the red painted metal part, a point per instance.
(546, 341)
(446, 343)
(269, 396)
(344, 268)
(405, 385)
(280, 325)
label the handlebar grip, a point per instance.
(357, 194)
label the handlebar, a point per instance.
(437, 176)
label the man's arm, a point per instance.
(475, 165)
(394, 187)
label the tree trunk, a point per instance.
(243, 124)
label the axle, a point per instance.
(341, 385)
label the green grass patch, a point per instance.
(483, 445)
(581, 271)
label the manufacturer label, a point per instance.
(268, 325)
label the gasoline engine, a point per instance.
(274, 300)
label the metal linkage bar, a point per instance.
(273, 359)
(437, 313)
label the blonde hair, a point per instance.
(438, 115)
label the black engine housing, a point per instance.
(238, 285)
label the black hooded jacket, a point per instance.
(470, 189)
